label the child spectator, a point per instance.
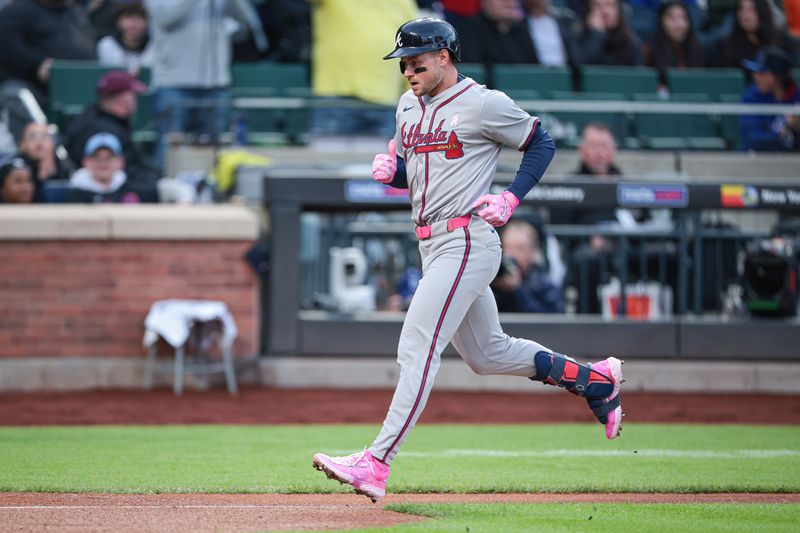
(130, 46)
(38, 149)
(674, 44)
(606, 38)
(773, 84)
(16, 184)
(102, 178)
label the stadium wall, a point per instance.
(78, 281)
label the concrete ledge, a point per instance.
(128, 222)
(65, 374)
(48, 222)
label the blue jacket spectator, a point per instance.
(773, 84)
(34, 33)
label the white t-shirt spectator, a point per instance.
(111, 53)
(547, 41)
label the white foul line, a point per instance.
(562, 452)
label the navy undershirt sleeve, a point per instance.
(535, 159)
(400, 180)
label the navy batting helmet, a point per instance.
(426, 35)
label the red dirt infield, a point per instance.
(273, 512)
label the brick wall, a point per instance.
(89, 298)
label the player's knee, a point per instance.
(482, 368)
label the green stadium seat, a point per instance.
(729, 124)
(711, 82)
(618, 122)
(476, 71)
(266, 79)
(649, 126)
(544, 80)
(667, 143)
(269, 79)
(627, 80)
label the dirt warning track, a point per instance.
(273, 512)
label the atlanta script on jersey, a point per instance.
(443, 138)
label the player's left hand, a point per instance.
(496, 208)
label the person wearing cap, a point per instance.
(773, 84)
(102, 178)
(130, 46)
(112, 112)
(16, 183)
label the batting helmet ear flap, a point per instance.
(426, 35)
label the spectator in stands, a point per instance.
(674, 44)
(606, 38)
(112, 112)
(498, 34)
(773, 84)
(102, 178)
(16, 183)
(792, 10)
(103, 15)
(34, 33)
(753, 29)
(129, 47)
(38, 148)
(340, 69)
(551, 29)
(191, 71)
(523, 284)
(591, 258)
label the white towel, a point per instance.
(172, 320)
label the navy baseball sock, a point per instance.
(599, 386)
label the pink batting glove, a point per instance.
(384, 166)
(499, 207)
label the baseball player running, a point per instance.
(449, 134)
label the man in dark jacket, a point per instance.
(116, 104)
(499, 34)
(34, 33)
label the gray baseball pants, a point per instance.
(453, 303)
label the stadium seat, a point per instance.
(627, 80)
(729, 124)
(711, 82)
(660, 130)
(514, 79)
(267, 79)
(476, 71)
(618, 122)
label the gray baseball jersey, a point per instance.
(451, 144)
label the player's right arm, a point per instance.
(390, 168)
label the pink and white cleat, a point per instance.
(361, 470)
(608, 410)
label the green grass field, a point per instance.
(459, 458)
